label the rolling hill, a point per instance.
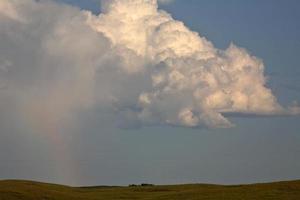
(28, 190)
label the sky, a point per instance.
(83, 104)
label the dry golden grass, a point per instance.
(27, 190)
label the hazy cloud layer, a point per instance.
(133, 60)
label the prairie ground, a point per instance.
(27, 190)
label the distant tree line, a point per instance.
(143, 185)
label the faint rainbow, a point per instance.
(41, 118)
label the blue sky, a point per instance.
(258, 149)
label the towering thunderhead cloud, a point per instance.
(133, 59)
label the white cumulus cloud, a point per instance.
(133, 59)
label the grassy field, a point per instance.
(26, 190)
